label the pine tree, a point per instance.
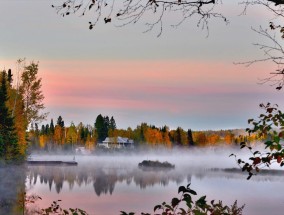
(36, 130)
(100, 127)
(178, 132)
(10, 77)
(9, 148)
(60, 122)
(51, 127)
(189, 137)
(112, 124)
(42, 131)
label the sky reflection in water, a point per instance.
(106, 185)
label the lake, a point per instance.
(105, 185)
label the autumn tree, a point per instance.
(229, 137)
(59, 131)
(31, 92)
(200, 138)
(15, 105)
(71, 136)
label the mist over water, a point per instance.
(107, 184)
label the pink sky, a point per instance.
(182, 78)
(175, 92)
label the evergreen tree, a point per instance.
(47, 130)
(178, 138)
(112, 124)
(36, 130)
(60, 122)
(42, 131)
(106, 124)
(189, 137)
(82, 134)
(9, 147)
(10, 77)
(51, 127)
(100, 127)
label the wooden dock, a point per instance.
(52, 163)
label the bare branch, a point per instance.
(131, 11)
(274, 53)
(274, 6)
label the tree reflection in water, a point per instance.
(103, 175)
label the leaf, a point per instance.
(281, 134)
(157, 207)
(201, 202)
(175, 202)
(192, 192)
(187, 198)
(183, 212)
(279, 159)
(276, 139)
(250, 120)
(256, 152)
(181, 189)
(279, 87)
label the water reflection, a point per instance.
(108, 184)
(103, 175)
(103, 179)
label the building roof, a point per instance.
(117, 140)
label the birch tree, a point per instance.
(32, 94)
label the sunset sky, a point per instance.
(182, 78)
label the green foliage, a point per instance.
(9, 147)
(103, 125)
(51, 127)
(189, 137)
(60, 122)
(193, 207)
(112, 124)
(53, 209)
(100, 129)
(270, 125)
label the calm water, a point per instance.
(105, 185)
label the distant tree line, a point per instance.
(58, 135)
